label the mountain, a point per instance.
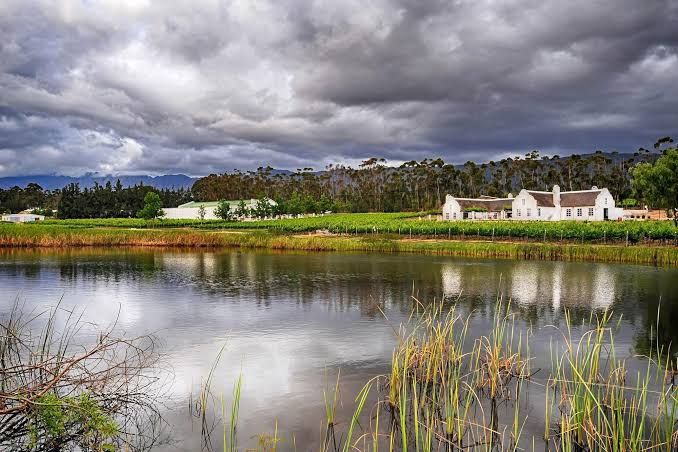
(51, 182)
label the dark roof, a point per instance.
(491, 205)
(544, 199)
(579, 198)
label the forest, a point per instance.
(418, 186)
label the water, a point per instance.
(292, 321)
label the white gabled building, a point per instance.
(22, 217)
(191, 210)
(596, 204)
(483, 208)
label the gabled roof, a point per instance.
(543, 198)
(491, 205)
(586, 198)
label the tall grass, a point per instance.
(17, 236)
(444, 391)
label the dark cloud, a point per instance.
(199, 87)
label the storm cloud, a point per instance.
(137, 86)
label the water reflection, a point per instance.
(289, 319)
(557, 284)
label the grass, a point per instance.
(444, 391)
(12, 236)
(412, 224)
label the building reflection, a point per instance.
(527, 283)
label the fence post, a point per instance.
(410, 232)
(449, 231)
(493, 234)
(627, 237)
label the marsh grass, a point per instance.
(447, 391)
(35, 236)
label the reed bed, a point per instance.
(445, 389)
(34, 236)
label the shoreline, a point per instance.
(34, 236)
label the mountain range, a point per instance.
(51, 182)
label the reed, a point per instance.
(35, 236)
(444, 391)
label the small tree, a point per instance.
(242, 211)
(263, 208)
(223, 210)
(201, 212)
(152, 207)
(657, 183)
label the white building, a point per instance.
(596, 204)
(191, 210)
(22, 217)
(483, 208)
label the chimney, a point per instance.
(556, 195)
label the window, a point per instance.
(568, 212)
(523, 201)
(529, 212)
(539, 211)
(579, 212)
(454, 215)
(447, 215)
(606, 200)
(590, 211)
(517, 212)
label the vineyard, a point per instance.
(415, 226)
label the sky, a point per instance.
(206, 86)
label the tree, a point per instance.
(223, 210)
(657, 184)
(263, 208)
(201, 212)
(242, 211)
(152, 207)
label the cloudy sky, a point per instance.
(193, 86)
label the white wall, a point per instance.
(523, 203)
(603, 201)
(189, 213)
(451, 209)
(22, 218)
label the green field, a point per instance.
(406, 224)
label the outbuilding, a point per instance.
(192, 210)
(22, 217)
(483, 208)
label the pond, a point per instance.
(291, 322)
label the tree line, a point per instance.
(418, 186)
(99, 201)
